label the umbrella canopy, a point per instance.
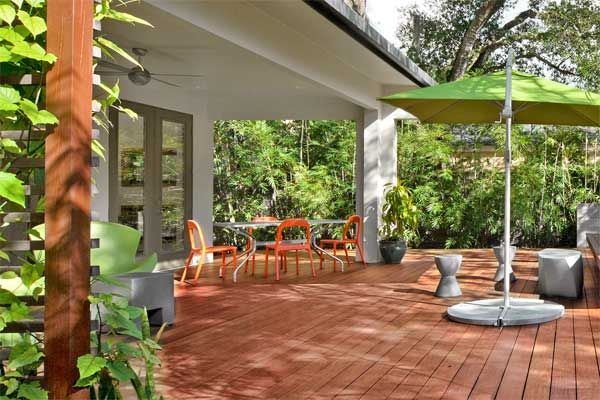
(480, 99)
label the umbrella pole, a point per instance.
(500, 312)
(507, 114)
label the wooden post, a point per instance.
(68, 154)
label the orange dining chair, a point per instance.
(260, 244)
(282, 246)
(345, 240)
(198, 247)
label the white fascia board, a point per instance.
(249, 27)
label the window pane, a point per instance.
(131, 174)
(173, 198)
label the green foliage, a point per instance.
(284, 169)
(22, 51)
(555, 38)
(116, 352)
(399, 213)
(459, 183)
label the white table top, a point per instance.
(558, 253)
(275, 223)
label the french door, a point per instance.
(150, 176)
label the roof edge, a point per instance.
(341, 15)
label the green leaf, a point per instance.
(10, 146)
(89, 365)
(98, 149)
(23, 354)
(11, 385)
(9, 98)
(37, 116)
(18, 3)
(36, 3)
(120, 370)
(8, 275)
(112, 46)
(110, 281)
(12, 35)
(35, 25)
(126, 17)
(5, 54)
(7, 11)
(11, 188)
(128, 350)
(33, 51)
(32, 391)
(9, 95)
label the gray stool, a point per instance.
(448, 265)
(499, 253)
(560, 273)
(153, 290)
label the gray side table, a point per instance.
(448, 265)
(560, 273)
(153, 290)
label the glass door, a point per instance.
(150, 177)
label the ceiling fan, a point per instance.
(138, 76)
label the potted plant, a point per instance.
(399, 219)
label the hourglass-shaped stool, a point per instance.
(448, 265)
(499, 253)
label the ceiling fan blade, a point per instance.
(165, 82)
(112, 73)
(185, 75)
(109, 64)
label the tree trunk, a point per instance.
(465, 51)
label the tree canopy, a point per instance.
(555, 38)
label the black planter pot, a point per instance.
(392, 251)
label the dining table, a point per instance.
(242, 229)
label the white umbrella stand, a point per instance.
(506, 311)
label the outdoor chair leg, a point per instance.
(188, 261)
(347, 256)
(199, 267)
(297, 264)
(334, 254)
(283, 261)
(312, 265)
(362, 256)
(234, 264)
(320, 258)
(267, 261)
(276, 265)
(222, 270)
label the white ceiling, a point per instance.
(178, 47)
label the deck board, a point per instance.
(374, 333)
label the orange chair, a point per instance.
(199, 248)
(345, 240)
(281, 246)
(261, 244)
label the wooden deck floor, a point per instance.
(375, 333)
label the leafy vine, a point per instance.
(22, 54)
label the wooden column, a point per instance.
(68, 153)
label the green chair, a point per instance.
(118, 247)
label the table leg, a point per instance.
(247, 254)
(321, 250)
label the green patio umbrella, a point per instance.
(509, 97)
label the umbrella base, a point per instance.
(492, 312)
